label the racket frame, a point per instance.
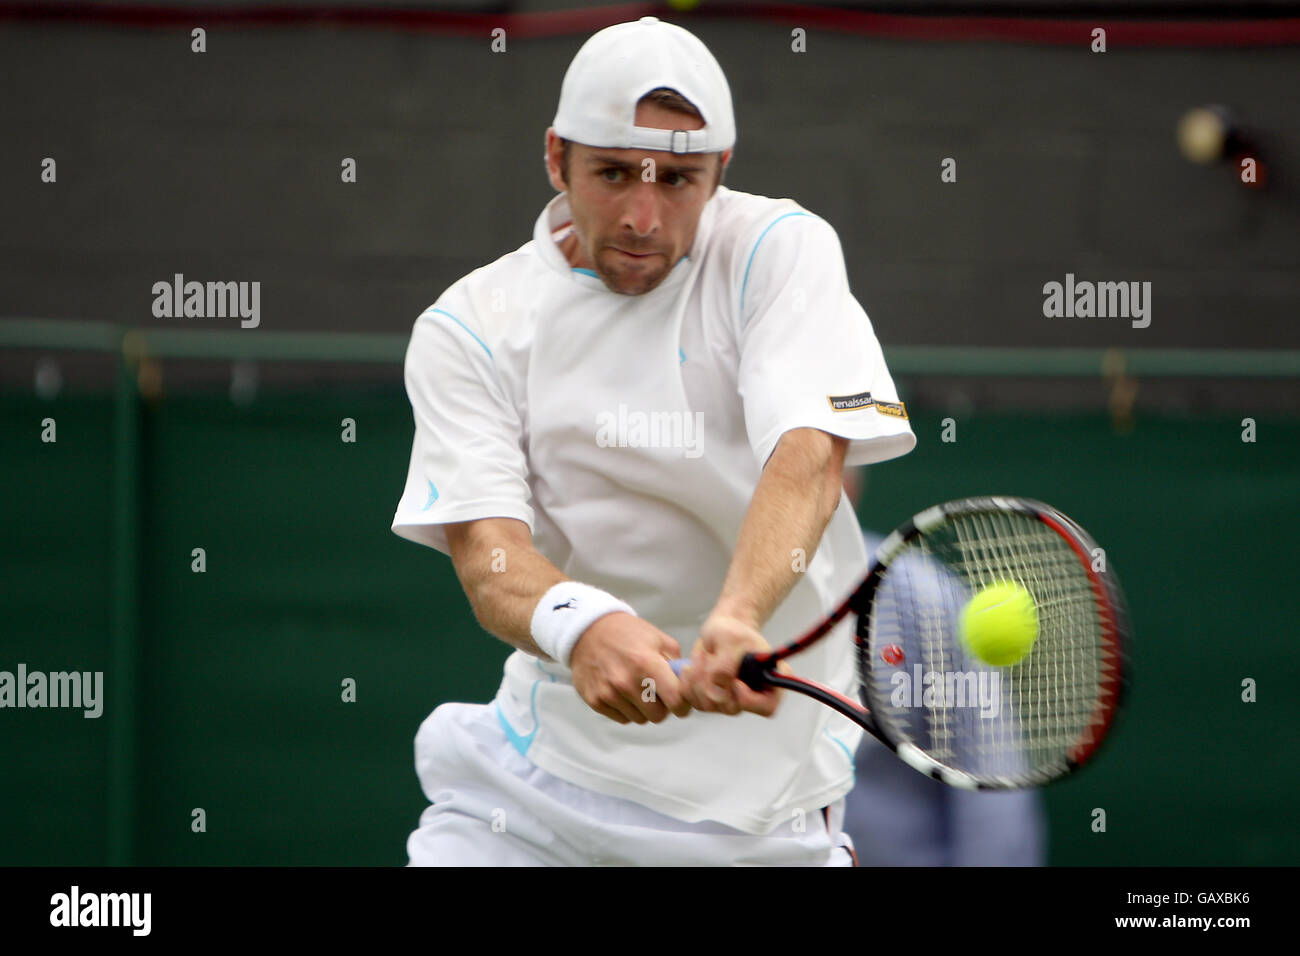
(758, 671)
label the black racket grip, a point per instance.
(753, 670)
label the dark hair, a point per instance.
(669, 99)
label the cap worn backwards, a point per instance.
(622, 63)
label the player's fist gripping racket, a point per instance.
(621, 670)
(711, 680)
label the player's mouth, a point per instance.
(634, 255)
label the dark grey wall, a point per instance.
(225, 165)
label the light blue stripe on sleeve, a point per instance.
(752, 252)
(465, 327)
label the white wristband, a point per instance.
(565, 612)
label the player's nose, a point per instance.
(641, 214)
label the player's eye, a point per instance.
(611, 169)
(677, 179)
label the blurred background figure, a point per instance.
(898, 817)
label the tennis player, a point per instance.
(629, 438)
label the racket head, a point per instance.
(955, 717)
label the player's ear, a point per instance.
(722, 168)
(554, 159)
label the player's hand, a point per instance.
(620, 669)
(711, 681)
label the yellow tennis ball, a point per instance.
(1000, 624)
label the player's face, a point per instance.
(635, 211)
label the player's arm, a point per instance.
(810, 368)
(505, 578)
(796, 495)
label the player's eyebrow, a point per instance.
(601, 160)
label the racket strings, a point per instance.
(1017, 722)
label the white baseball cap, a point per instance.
(621, 64)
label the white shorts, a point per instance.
(490, 806)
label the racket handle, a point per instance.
(753, 669)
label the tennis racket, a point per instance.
(971, 724)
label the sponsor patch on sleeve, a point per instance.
(850, 403)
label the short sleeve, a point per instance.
(467, 459)
(808, 354)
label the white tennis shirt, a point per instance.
(629, 434)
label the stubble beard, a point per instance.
(630, 282)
